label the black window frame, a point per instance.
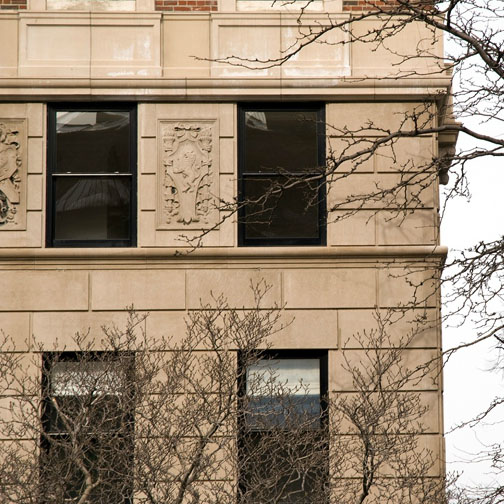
(49, 417)
(284, 354)
(319, 109)
(52, 174)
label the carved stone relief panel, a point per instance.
(188, 183)
(13, 178)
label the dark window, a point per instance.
(281, 175)
(87, 444)
(91, 189)
(283, 433)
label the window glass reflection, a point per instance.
(92, 208)
(92, 142)
(281, 175)
(280, 140)
(282, 392)
(274, 211)
(91, 175)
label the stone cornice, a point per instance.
(259, 254)
(199, 89)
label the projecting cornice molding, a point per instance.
(344, 89)
(264, 255)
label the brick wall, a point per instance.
(12, 4)
(185, 5)
(161, 5)
(211, 5)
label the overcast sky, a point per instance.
(469, 385)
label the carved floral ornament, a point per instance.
(188, 183)
(10, 174)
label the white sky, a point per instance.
(469, 386)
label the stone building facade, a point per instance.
(180, 99)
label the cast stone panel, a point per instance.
(12, 174)
(188, 182)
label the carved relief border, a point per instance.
(13, 174)
(188, 174)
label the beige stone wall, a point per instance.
(156, 226)
(24, 127)
(329, 303)
(366, 203)
(407, 218)
(146, 44)
(380, 252)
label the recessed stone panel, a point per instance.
(237, 44)
(252, 47)
(91, 5)
(50, 46)
(129, 48)
(185, 45)
(75, 44)
(8, 44)
(327, 56)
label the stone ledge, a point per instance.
(220, 89)
(366, 84)
(258, 253)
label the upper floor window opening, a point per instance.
(283, 442)
(87, 417)
(91, 169)
(281, 183)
